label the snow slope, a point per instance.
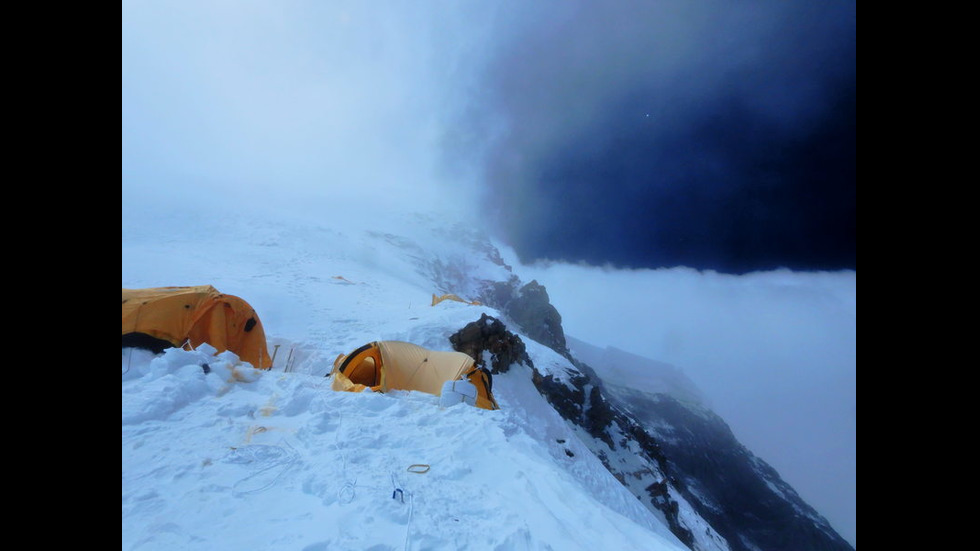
(237, 458)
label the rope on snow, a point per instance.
(288, 463)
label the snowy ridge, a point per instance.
(239, 458)
(230, 457)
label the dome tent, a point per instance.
(395, 365)
(163, 317)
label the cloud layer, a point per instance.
(775, 354)
(342, 100)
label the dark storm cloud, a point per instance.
(714, 135)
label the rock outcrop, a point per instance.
(530, 308)
(487, 339)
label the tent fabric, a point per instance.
(195, 315)
(451, 296)
(395, 365)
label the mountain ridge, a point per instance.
(429, 257)
(603, 406)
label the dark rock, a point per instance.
(489, 334)
(568, 401)
(530, 308)
(741, 496)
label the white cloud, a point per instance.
(343, 100)
(774, 352)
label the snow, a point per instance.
(230, 457)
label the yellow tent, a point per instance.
(394, 365)
(451, 296)
(163, 317)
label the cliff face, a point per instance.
(676, 455)
(529, 306)
(622, 445)
(739, 494)
(661, 441)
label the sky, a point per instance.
(602, 144)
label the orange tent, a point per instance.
(451, 296)
(164, 317)
(394, 365)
